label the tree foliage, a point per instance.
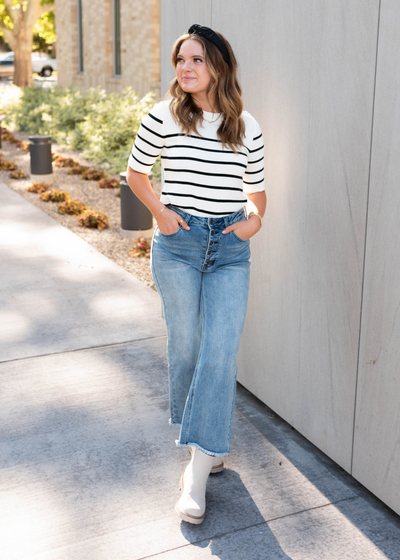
(44, 32)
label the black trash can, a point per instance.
(134, 214)
(40, 150)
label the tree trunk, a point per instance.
(22, 57)
(20, 36)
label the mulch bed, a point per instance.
(108, 241)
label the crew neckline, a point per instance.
(213, 117)
(209, 114)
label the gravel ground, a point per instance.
(109, 241)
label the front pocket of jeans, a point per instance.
(170, 234)
(239, 238)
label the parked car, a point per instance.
(42, 64)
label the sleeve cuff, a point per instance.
(255, 188)
(139, 167)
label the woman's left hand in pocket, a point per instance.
(245, 228)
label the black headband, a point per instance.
(210, 35)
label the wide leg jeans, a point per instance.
(202, 276)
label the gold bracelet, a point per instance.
(255, 214)
(162, 209)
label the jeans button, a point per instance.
(212, 233)
(211, 242)
(211, 221)
(208, 252)
(208, 262)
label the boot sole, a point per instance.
(195, 519)
(216, 468)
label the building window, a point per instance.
(80, 37)
(117, 37)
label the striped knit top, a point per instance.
(200, 176)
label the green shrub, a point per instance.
(112, 126)
(9, 96)
(103, 125)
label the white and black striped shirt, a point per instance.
(200, 176)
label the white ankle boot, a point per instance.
(191, 505)
(218, 464)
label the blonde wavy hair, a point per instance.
(224, 84)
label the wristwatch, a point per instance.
(255, 214)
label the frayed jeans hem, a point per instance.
(206, 451)
(173, 423)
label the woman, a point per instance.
(212, 156)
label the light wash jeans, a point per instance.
(202, 276)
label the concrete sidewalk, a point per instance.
(89, 467)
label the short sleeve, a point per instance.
(149, 140)
(253, 178)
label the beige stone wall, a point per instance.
(67, 49)
(140, 45)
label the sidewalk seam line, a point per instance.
(85, 349)
(248, 527)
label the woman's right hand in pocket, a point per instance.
(168, 222)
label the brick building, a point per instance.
(111, 43)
